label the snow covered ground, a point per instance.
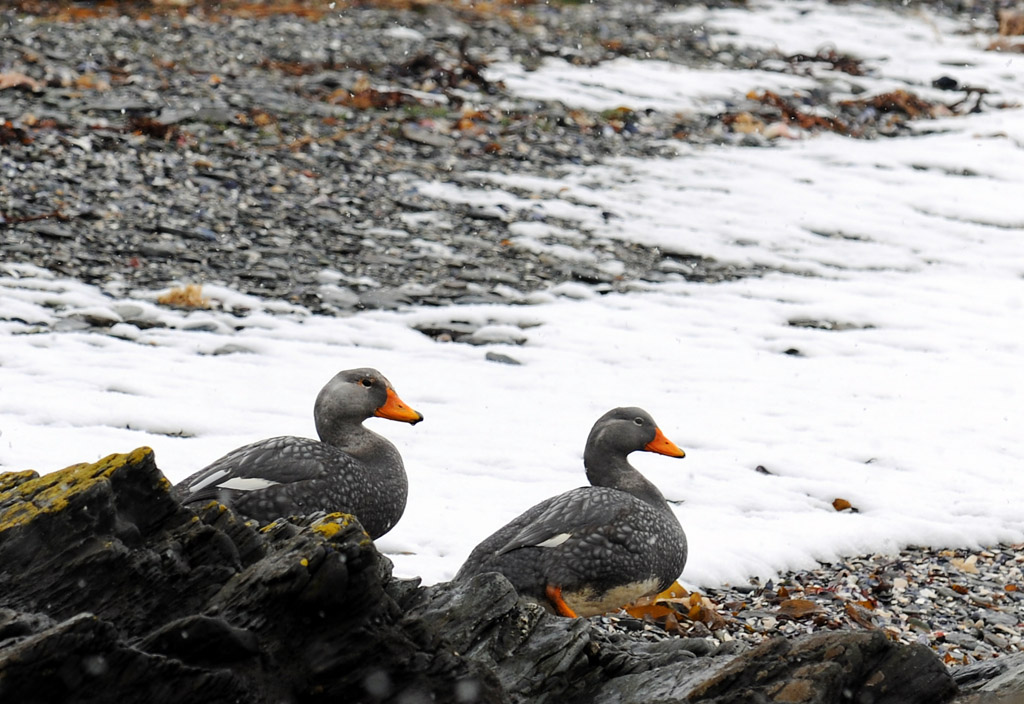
(910, 406)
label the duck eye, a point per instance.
(638, 421)
(366, 382)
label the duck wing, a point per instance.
(281, 460)
(570, 515)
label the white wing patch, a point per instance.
(554, 541)
(247, 484)
(209, 480)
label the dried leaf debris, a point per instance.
(188, 296)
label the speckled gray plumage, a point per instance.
(351, 470)
(622, 531)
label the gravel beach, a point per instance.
(278, 152)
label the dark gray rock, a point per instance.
(501, 358)
(84, 659)
(110, 591)
(831, 667)
(997, 681)
(202, 640)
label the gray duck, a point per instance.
(350, 469)
(594, 549)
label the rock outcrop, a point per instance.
(996, 681)
(110, 591)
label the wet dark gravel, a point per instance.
(258, 153)
(279, 154)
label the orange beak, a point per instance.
(395, 409)
(663, 446)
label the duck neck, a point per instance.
(612, 469)
(360, 442)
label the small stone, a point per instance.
(497, 334)
(339, 296)
(51, 229)
(487, 212)
(573, 290)
(97, 316)
(203, 325)
(232, 348)
(919, 625)
(996, 640)
(962, 640)
(387, 299)
(431, 138)
(501, 358)
(968, 565)
(446, 331)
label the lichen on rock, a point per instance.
(25, 494)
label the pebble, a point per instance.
(497, 334)
(501, 358)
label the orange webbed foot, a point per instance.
(554, 595)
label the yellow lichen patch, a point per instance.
(9, 480)
(17, 514)
(304, 562)
(272, 527)
(50, 493)
(332, 525)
